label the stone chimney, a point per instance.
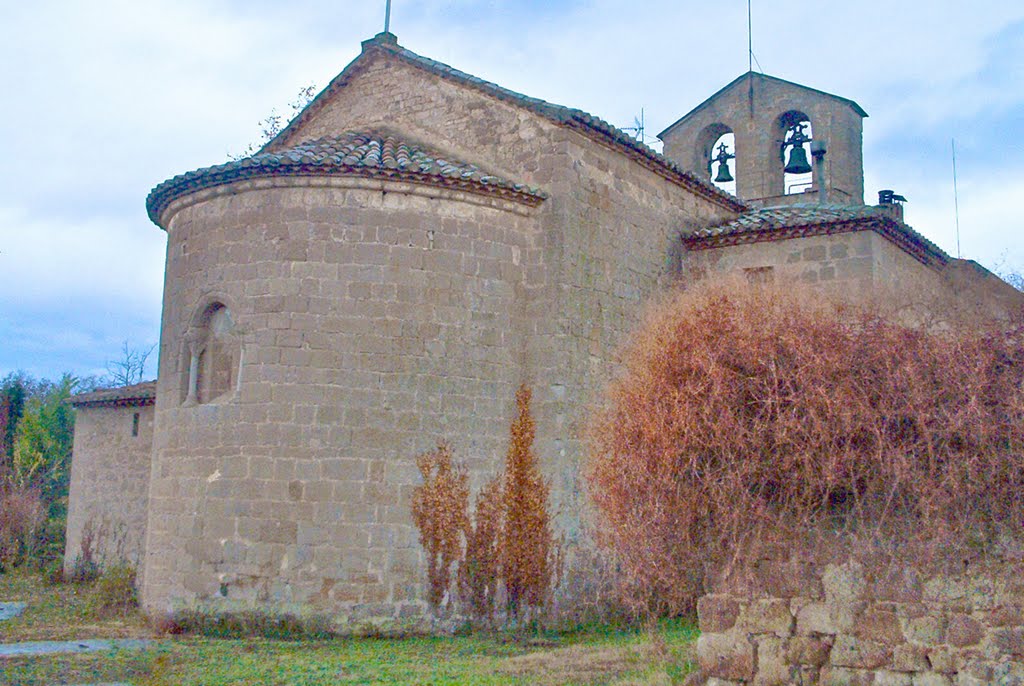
(892, 203)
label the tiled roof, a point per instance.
(138, 394)
(354, 154)
(792, 221)
(587, 124)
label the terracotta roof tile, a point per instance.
(352, 153)
(138, 394)
(778, 223)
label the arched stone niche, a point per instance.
(214, 351)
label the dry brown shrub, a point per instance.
(479, 572)
(439, 511)
(508, 544)
(21, 515)
(753, 418)
(527, 545)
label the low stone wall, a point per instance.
(853, 623)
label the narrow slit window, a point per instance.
(135, 424)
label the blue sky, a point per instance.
(103, 100)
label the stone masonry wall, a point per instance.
(608, 233)
(854, 265)
(109, 482)
(374, 320)
(856, 624)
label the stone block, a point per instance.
(726, 656)
(766, 616)
(885, 677)
(772, 667)
(841, 676)
(813, 618)
(849, 651)
(963, 630)
(942, 659)
(1009, 641)
(910, 658)
(919, 626)
(845, 591)
(948, 591)
(877, 624)
(276, 531)
(975, 673)
(1005, 616)
(717, 613)
(808, 650)
(931, 679)
(815, 253)
(1009, 673)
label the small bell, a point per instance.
(723, 158)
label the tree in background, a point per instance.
(130, 369)
(36, 434)
(42, 458)
(13, 390)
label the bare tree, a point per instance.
(275, 123)
(130, 368)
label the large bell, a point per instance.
(722, 158)
(798, 163)
(723, 175)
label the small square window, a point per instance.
(759, 276)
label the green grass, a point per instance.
(60, 612)
(589, 656)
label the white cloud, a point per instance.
(93, 261)
(111, 97)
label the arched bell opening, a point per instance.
(794, 138)
(716, 155)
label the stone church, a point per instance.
(386, 272)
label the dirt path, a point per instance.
(33, 648)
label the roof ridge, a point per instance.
(781, 220)
(594, 127)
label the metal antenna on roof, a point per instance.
(750, 60)
(750, 40)
(638, 126)
(956, 201)
(387, 17)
